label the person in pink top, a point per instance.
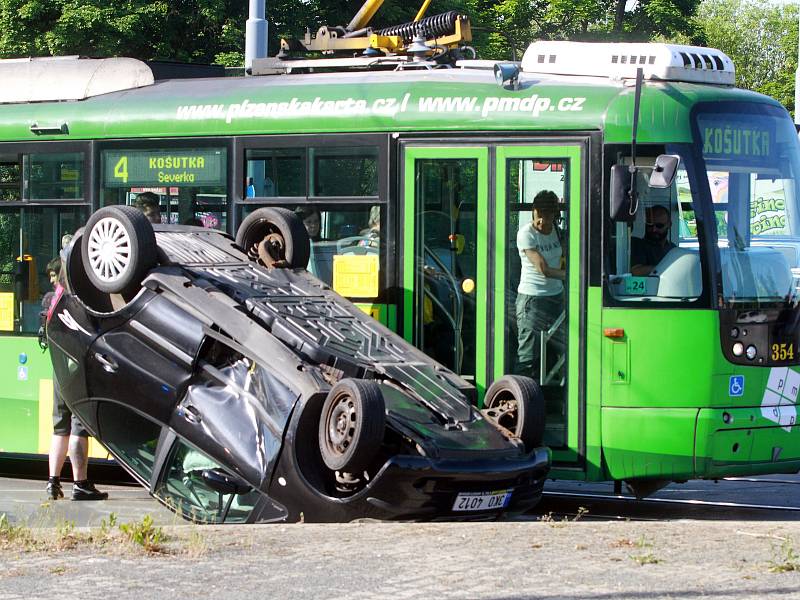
(69, 435)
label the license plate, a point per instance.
(469, 501)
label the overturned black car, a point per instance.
(238, 388)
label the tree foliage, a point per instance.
(759, 35)
(213, 30)
(181, 30)
(761, 38)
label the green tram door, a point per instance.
(470, 301)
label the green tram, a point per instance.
(414, 179)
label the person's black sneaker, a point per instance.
(54, 491)
(85, 490)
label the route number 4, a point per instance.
(121, 169)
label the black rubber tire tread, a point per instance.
(143, 249)
(530, 406)
(370, 425)
(258, 223)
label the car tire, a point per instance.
(284, 233)
(516, 403)
(351, 425)
(118, 248)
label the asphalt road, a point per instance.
(24, 502)
(537, 556)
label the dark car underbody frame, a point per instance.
(236, 360)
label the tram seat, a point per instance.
(679, 274)
(321, 263)
(357, 244)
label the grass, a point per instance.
(787, 559)
(143, 535)
(551, 519)
(643, 558)
(13, 535)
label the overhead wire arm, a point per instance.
(364, 15)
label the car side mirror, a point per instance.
(622, 203)
(223, 483)
(664, 171)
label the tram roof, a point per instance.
(459, 99)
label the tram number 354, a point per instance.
(782, 352)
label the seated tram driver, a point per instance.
(647, 251)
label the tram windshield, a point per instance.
(751, 163)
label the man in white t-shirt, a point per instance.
(540, 295)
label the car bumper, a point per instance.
(415, 487)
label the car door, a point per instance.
(145, 358)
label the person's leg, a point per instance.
(79, 456)
(58, 454)
(82, 488)
(539, 322)
(58, 446)
(526, 338)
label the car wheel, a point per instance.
(276, 236)
(118, 248)
(352, 425)
(516, 403)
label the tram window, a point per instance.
(329, 164)
(190, 184)
(10, 178)
(446, 194)
(347, 248)
(275, 172)
(54, 176)
(30, 238)
(656, 258)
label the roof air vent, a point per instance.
(666, 62)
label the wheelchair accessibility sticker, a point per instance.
(736, 386)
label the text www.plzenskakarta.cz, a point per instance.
(533, 105)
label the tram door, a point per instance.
(445, 190)
(470, 302)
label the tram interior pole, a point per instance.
(255, 44)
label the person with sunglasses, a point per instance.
(648, 251)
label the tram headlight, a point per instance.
(751, 352)
(734, 332)
(738, 349)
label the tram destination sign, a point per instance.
(188, 167)
(737, 140)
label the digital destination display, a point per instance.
(126, 168)
(737, 140)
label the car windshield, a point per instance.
(751, 163)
